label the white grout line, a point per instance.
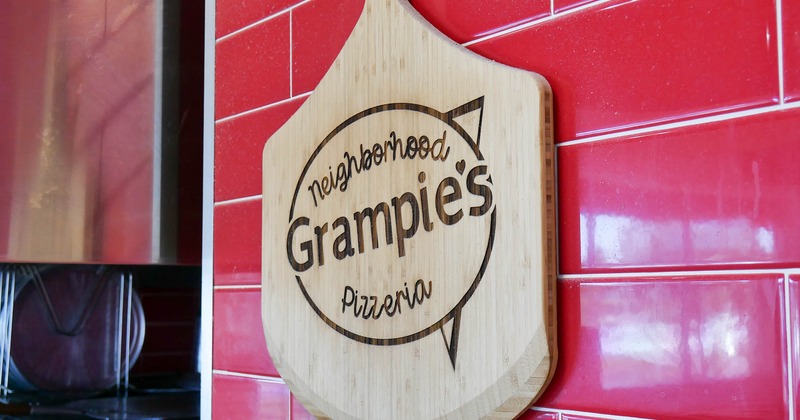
(685, 123)
(697, 273)
(585, 414)
(779, 30)
(238, 287)
(238, 200)
(261, 108)
(266, 19)
(552, 7)
(789, 345)
(262, 378)
(534, 23)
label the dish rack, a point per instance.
(114, 291)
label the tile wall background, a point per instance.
(678, 132)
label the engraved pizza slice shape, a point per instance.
(408, 231)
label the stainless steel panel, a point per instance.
(88, 142)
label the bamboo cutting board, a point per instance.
(408, 231)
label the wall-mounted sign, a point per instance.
(408, 238)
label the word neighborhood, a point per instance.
(375, 155)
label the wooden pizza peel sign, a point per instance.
(408, 231)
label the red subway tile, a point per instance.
(561, 5)
(794, 323)
(791, 49)
(252, 68)
(689, 347)
(465, 20)
(237, 149)
(247, 398)
(722, 194)
(239, 344)
(582, 417)
(233, 15)
(319, 30)
(538, 415)
(237, 243)
(623, 63)
(298, 412)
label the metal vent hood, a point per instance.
(89, 132)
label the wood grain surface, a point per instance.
(408, 231)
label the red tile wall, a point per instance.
(678, 131)
(791, 47)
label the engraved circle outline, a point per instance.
(447, 118)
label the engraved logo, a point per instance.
(392, 223)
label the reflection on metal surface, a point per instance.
(7, 292)
(90, 150)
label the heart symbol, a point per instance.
(460, 166)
